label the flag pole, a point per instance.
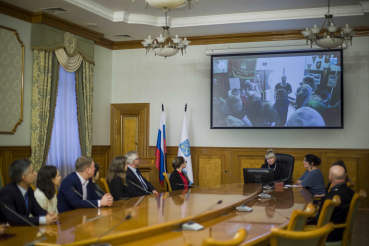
(165, 154)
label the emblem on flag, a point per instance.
(185, 148)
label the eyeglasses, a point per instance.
(304, 160)
(185, 162)
(137, 159)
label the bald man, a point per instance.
(337, 177)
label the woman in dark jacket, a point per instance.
(281, 106)
(178, 179)
(278, 169)
(116, 178)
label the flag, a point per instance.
(184, 148)
(161, 149)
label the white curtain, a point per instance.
(65, 147)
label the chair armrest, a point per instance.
(309, 228)
(340, 225)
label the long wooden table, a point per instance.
(157, 220)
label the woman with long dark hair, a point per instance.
(116, 178)
(178, 179)
(312, 179)
(95, 178)
(47, 179)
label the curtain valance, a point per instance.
(70, 64)
(50, 39)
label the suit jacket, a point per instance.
(279, 172)
(12, 197)
(175, 179)
(340, 212)
(134, 191)
(69, 200)
(117, 189)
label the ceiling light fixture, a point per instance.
(169, 4)
(331, 40)
(162, 46)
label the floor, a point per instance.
(361, 228)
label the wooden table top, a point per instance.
(156, 220)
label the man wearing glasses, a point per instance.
(137, 184)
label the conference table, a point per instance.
(157, 219)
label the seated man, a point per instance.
(134, 175)
(337, 177)
(81, 181)
(19, 197)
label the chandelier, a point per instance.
(163, 46)
(330, 40)
(169, 4)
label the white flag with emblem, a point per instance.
(184, 149)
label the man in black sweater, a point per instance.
(337, 177)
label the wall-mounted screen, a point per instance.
(277, 90)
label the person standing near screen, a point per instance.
(312, 179)
(283, 85)
(278, 169)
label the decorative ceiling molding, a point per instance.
(290, 14)
(99, 39)
(365, 6)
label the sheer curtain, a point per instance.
(65, 147)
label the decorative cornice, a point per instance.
(365, 6)
(16, 12)
(41, 17)
(236, 38)
(290, 14)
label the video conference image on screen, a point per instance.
(284, 90)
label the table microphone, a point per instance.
(89, 203)
(232, 176)
(192, 226)
(141, 188)
(191, 186)
(107, 244)
(19, 216)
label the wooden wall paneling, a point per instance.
(9, 154)
(101, 155)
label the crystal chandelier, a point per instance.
(330, 40)
(162, 46)
(169, 4)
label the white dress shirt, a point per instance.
(84, 188)
(41, 219)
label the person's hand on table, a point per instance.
(106, 200)
(317, 196)
(155, 192)
(51, 218)
(3, 228)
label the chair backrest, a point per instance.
(355, 202)
(298, 218)
(238, 238)
(316, 237)
(289, 163)
(327, 210)
(103, 180)
(167, 176)
(1, 179)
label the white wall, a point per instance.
(102, 96)
(141, 78)
(22, 136)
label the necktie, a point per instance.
(141, 179)
(26, 199)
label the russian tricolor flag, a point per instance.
(161, 148)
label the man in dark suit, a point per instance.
(81, 181)
(134, 175)
(19, 197)
(337, 177)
